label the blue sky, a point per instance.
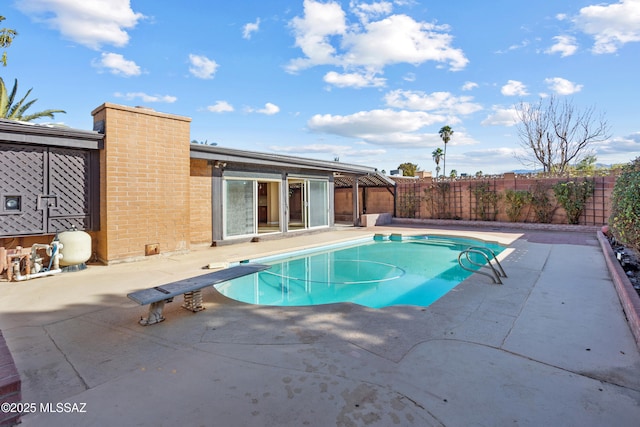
(368, 82)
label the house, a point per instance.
(140, 187)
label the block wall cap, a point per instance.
(139, 110)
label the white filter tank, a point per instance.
(76, 247)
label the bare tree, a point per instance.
(555, 133)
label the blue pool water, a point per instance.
(415, 270)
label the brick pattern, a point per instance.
(200, 187)
(10, 384)
(379, 200)
(144, 194)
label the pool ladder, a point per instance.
(489, 256)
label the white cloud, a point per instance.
(269, 109)
(146, 98)
(381, 127)
(564, 45)
(250, 28)
(400, 39)
(562, 86)
(439, 102)
(409, 77)
(513, 47)
(312, 33)
(89, 23)
(626, 145)
(220, 107)
(611, 25)
(498, 153)
(355, 80)
(117, 64)
(368, 11)
(501, 117)
(326, 38)
(469, 86)
(202, 67)
(514, 88)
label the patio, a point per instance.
(549, 347)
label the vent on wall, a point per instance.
(152, 249)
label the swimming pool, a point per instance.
(378, 272)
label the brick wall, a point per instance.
(460, 204)
(379, 200)
(200, 187)
(144, 182)
(10, 385)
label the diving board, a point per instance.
(191, 288)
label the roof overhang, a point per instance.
(37, 134)
(344, 174)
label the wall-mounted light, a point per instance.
(218, 164)
(12, 203)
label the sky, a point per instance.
(363, 82)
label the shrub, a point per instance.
(543, 206)
(573, 196)
(624, 221)
(486, 201)
(408, 203)
(438, 197)
(516, 201)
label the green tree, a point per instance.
(437, 155)
(587, 164)
(453, 173)
(408, 169)
(6, 38)
(16, 110)
(445, 133)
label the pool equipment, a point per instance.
(25, 263)
(76, 249)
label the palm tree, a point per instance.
(9, 109)
(6, 38)
(445, 134)
(437, 154)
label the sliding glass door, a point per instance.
(251, 206)
(308, 203)
(239, 207)
(318, 203)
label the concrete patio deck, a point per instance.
(550, 347)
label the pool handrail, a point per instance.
(493, 257)
(480, 251)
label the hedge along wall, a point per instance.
(474, 199)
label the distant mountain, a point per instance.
(526, 171)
